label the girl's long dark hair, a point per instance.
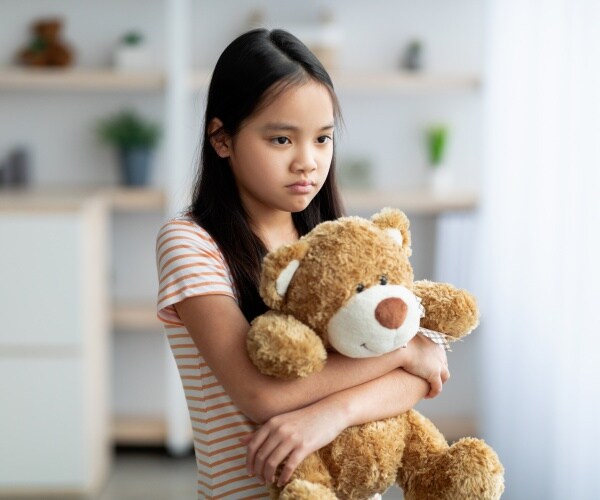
(254, 68)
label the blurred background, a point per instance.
(478, 118)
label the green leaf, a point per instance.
(127, 129)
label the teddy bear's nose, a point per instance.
(391, 312)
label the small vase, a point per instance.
(135, 166)
(133, 58)
(440, 178)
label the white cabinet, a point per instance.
(54, 346)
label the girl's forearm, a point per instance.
(339, 374)
(392, 394)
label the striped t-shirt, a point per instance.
(190, 263)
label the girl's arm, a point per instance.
(298, 433)
(219, 330)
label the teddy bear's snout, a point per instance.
(391, 312)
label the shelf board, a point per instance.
(139, 317)
(402, 81)
(107, 79)
(61, 198)
(124, 199)
(379, 81)
(419, 201)
(136, 431)
(97, 79)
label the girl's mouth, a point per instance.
(302, 187)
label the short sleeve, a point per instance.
(189, 263)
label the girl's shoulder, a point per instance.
(184, 223)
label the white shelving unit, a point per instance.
(175, 85)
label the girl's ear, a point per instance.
(278, 269)
(219, 139)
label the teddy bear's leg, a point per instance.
(299, 489)
(310, 481)
(432, 470)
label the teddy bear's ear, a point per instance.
(395, 223)
(278, 270)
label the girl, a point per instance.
(267, 177)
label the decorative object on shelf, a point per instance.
(256, 18)
(135, 140)
(322, 38)
(355, 173)
(440, 178)
(412, 59)
(46, 48)
(132, 53)
(364, 303)
(14, 169)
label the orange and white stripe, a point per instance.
(189, 263)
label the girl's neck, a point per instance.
(274, 229)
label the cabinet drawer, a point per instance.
(42, 278)
(42, 423)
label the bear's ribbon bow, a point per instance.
(437, 337)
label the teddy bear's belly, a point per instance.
(365, 459)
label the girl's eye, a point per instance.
(383, 280)
(280, 140)
(324, 139)
(360, 287)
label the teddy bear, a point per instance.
(46, 47)
(348, 286)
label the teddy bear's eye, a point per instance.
(383, 280)
(360, 287)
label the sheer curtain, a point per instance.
(539, 246)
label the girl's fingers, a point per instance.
(436, 387)
(246, 439)
(258, 438)
(273, 461)
(262, 454)
(291, 463)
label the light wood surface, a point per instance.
(140, 317)
(96, 79)
(418, 201)
(139, 430)
(108, 79)
(65, 199)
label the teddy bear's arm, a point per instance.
(281, 346)
(448, 309)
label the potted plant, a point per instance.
(437, 142)
(135, 140)
(132, 53)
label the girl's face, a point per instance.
(281, 155)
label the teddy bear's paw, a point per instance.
(467, 469)
(300, 489)
(478, 470)
(448, 309)
(281, 346)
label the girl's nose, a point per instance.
(305, 160)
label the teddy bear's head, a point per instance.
(351, 281)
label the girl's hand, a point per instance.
(289, 438)
(426, 359)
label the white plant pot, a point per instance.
(440, 179)
(127, 58)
